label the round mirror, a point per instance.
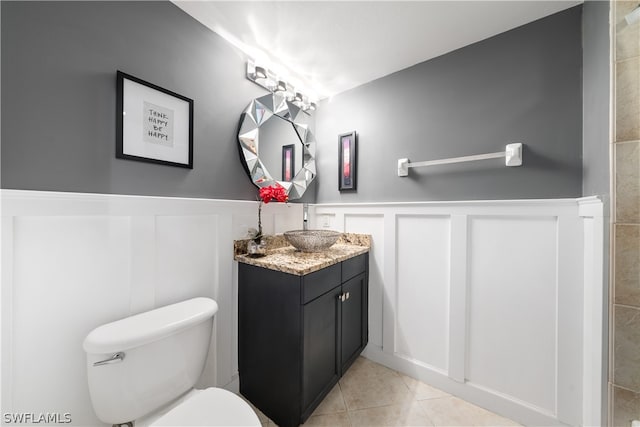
(276, 145)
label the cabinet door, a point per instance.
(270, 341)
(320, 366)
(353, 308)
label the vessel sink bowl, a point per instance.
(312, 240)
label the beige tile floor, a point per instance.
(370, 394)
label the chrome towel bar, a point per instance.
(512, 155)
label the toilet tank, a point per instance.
(163, 354)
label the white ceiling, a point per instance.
(327, 47)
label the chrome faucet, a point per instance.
(305, 216)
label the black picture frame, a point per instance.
(289, 150)
(153, 124)
(347, 161)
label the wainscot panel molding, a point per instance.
(72, 261)
(498, 302)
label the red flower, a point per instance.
(268, 194)
(273, 192)
(281, 195)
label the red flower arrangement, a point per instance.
(272, 192)
(268, 194)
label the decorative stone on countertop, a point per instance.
(283, 257)
(273, 242)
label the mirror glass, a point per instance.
(276, 145)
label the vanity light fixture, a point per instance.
(267, 79)
(281, 86)
(285, 89)
(304, 103)
(261, 73)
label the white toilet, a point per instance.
(143, 369)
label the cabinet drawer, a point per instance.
(319, 282)
(353, 266)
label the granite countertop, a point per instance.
(283, 257)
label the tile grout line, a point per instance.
(346, 408)
(624, 388)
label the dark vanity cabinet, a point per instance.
(297, 335)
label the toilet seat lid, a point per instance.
(210, 407)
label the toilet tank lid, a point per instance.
(149, 326)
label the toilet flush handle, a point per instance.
(117, 357)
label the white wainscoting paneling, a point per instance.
(595, 338)
(488, 300)
(512, 307)
(71, 262)
(60, 264)
(186, 257)
(422, 290)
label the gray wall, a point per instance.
(595, 125)
(520, 86)
(58, 108)
(59, 62)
